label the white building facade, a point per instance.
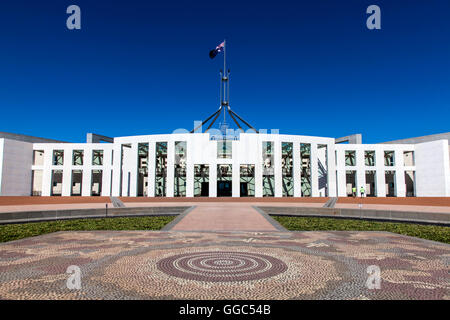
(198, 165)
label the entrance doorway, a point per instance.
(224, 188)
(224, 180)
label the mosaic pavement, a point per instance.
(224, 265)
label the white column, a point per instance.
(258, 170)
(87, 172)
(342, 183)
(400, 186)
(67, 173)
(212, 180)
(189, 169)
(297, 170)
(106, 173)
(277, 169)
(331, 163)
(360, 171)
(133, 168)
(236, 183)
(106, 181)
(151, 168)
(380, 173)
(116, 169)
(47, 172)
(170, 168)
(341, 173)
(314, 171)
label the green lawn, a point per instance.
(430, 232)
(10, 232)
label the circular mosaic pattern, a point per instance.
(219, 266)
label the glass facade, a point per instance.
(96, 182)
(350, 158)
(389, 158)
(322, 165)
(247, 180)
(305, 158)
(287, 168)
(224, 180)
(161, 169)
(58, 157)
(201, 180)
(268, 169)
(369, 158)
(97, 157)
(180, 169)
(77, 157)
(57, 179)
(391, 188)
(142, 169)
(77, 182)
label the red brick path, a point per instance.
(224, 217)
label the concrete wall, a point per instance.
(16, 162)
(417, 140)
(25, 138)
(433, 169)
(2, 144)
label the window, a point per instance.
(391, 188)
(180, 169)
(58, 157)
(201, 180)
(369, 158)
(142, 169)
(57, 176)
(247, 180)
(305, 159)
(322, 163)
(97, 157)
(77, 182)
(77, 157)
(371, 183)
(268, 169)
(389, 159)
(287, 167)
(161, 169)
(350, 158)
(224, 149)
(96, 182)
(224, 180)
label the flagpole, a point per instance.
(225, 74)
(224, 56)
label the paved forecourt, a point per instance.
(224, 250)
(224, 265)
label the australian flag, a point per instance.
(217, 50)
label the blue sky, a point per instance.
(303, 67)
